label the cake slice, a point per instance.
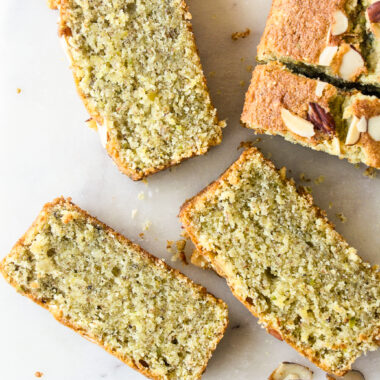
(338, 38)
(137, 70)
(114, 293)
(313, 113)
(284, 261)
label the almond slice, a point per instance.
(327, 55)
(352, 65)
(102, 130)
(291, 371)
(353, 134)
(319, 88)
(296, 124)
(374, 127)
(340, 23)
(362, 124)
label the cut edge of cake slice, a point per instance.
(207, 258)
(68, 209)
(140, 165)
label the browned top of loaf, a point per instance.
(298, 29)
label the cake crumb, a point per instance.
(141, 196)
(319, 180)
(38, 374)
(248, 144)
(304, 178)
(211, 74)
(169, 246)
(145, 181)
(141, 235)
(237, 35)
(242, 83)
(180, 251)
(370, 173)
(133, 213)
(147, 225)
(249, 68)
(330, 205)
(341, 217)
(19, 92)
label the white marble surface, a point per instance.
(46, 150)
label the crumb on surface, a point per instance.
(248, 144)
(145, 181)
(319, 180)
(141, 235)
(249, 68)
(370, 173)
(180, 251)
(18, 90)
(211, 74)
(330, 205)
(242, 83)
(341, 217)
(38, 374)
(147, 225)
(133, 213)
(141, 196)
(169, 246)
(237, 35)
(304, 178)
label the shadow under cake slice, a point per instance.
(114, 293)
(285, 262)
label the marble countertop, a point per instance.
(46, 151)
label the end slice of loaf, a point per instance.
(285, 262)
(332, 114)
(114, 293)
(138, 72)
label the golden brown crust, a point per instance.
(123, 240)
(274, 87)
(112, 146)
(212, 258)
(298, 29)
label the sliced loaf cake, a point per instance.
(114, 293)
(137, 70)
(313, 113)
(284, 261)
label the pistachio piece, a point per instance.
(296, 124)
(291, 371)
(353, 135)
(374, 127)
(352, 64)
(340, 24)
(373, 12)
(327, 55)
(321, 119)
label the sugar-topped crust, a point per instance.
(274, 87)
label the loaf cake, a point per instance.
(114, 293)
(338, 38)
(284, 261)
(313, 113)
(137, 70)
